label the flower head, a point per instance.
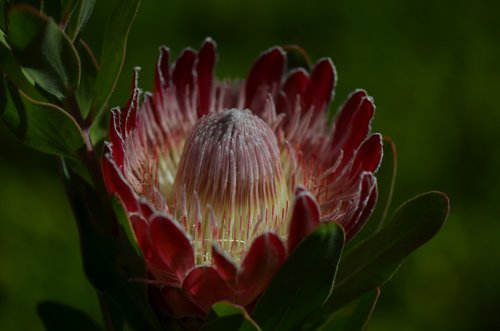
(222, 180)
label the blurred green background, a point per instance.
(433, 68)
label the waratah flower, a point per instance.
(221, 180)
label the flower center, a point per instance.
(229, 185)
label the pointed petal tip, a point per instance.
(264, 258)
(357, 91)
(187, 51)
(326, 63)
(183, 76)
(205, 72)
(305, 218)
(163, 50)
(298, 71)
(369, 155)
(116, 184)
(172, 244)
(162, 73)
(275, 51)
(224, 265)
(299, 189)
(264, 77)
(209, 41)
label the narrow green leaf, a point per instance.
(80, 169)
(85, 91)
(225, 316)
(10, 67)
(67, 7)
(353, 317)
(79, 18)
(221, 309)
(44, 51)
(386, 179)
(303, 283)
(113, 51)
(99, 132)
(59, 10)
(110, 260)
(296, 57)
(3, 11)
(40, 125)
(60, 317)
(374, 261)
(3, 39)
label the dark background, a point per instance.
(433, 68)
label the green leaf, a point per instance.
(79, 18)
(40, 125)
(85, 91)
(386, 179)
(226, 316)
(44, 51)
(80, 168)
(113, 51)
(304, 281)
(59, 10)
(67, 7)
(59, 317)
(71, 15)
(296, 57)
(3, 11)
(9, 66)
(33, 3)
(110, 260)
(353, 317)
(373, 262)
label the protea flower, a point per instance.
(221, 180)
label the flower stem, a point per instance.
(90, 159)
(111, 322)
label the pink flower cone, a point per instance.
(221, 180)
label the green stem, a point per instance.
(109, 316)
(91, 160)
(74, 110)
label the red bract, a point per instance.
(222, 180)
